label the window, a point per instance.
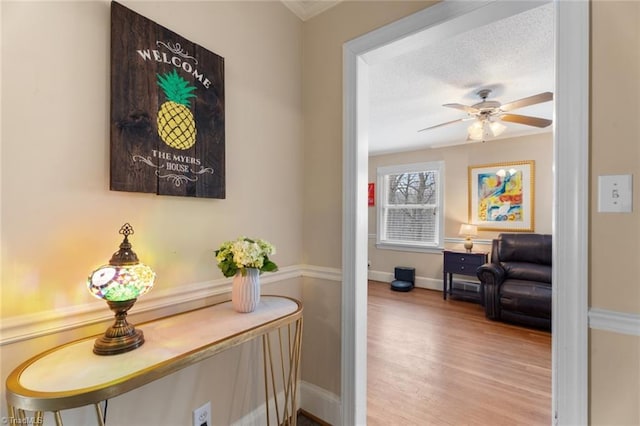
(410, 200)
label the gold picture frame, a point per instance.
(502, 197)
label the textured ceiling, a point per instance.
(514, 57)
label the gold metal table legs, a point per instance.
(287, 350)
(281, 349)
(19, 417)
(276, 323)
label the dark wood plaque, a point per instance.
(167, 111)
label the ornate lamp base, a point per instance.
(121, 336)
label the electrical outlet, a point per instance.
(202, 415)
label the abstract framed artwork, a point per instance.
(501, 196)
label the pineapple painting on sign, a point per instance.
(176, 126)
(167, 111)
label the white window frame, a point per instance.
(382, 199)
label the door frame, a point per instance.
(570, 198)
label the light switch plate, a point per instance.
(615, 194)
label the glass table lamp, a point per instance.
(120, 283)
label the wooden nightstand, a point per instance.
(462, 263)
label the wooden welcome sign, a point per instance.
(167, 111)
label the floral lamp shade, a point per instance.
(120, 283)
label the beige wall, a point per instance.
(615, 237)
(457, 159)
(59, 219)
(321, 351)
(615, 141)
(56, 205)
(614, 150)
(323, 37)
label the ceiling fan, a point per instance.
(488, 114)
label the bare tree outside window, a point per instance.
(409, 209)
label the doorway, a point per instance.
(569, 345)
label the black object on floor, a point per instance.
(404, 278)
(304, 420)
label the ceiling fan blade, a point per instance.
(524, 119)
(444, 124)
(465, 108)
(531, 100)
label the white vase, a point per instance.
(245, 291)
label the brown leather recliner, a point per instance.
(516, 285)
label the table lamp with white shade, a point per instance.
(468, 230)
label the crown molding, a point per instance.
(307, 9)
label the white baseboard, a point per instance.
(600, 319)
(421, 282)
(259, 415)
(320, 402)
(313, 399)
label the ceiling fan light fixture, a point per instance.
(485, 129)
(476, 132)
(489, 115)
(497, 128)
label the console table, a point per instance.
(461, 263)
(43, 383)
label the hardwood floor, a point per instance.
(437, 362)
